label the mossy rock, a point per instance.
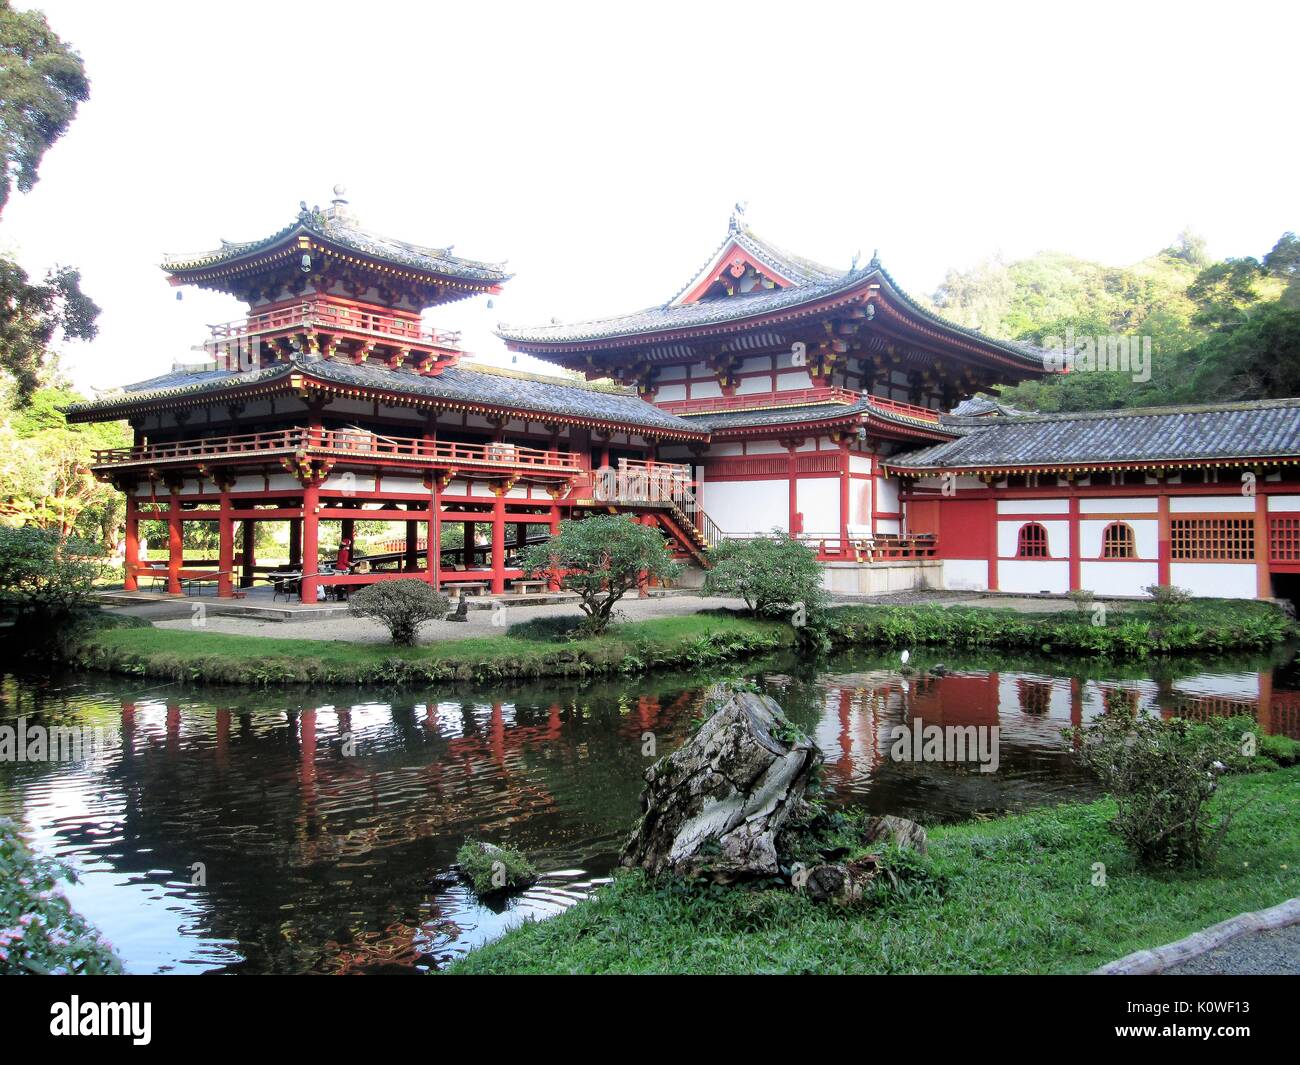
(493, 870)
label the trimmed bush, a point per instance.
(1161, 775)
(39, 931)
(46, 578)
(772, 574)
(402, 605)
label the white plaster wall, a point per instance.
(1058, 538)
(1119, 505)
(859, 501)
(1146, 534)
(1283, 504)
(1118, 578)
(965, 575)
(1024, 575)
(1033, 506)
(764, 447)
(1223, 580)
(749, 385)
(860, 463)
(1237, 504)
(705, 389)
(886, 494)
(670, 392)
(818, 500)
(748, 506)
(788, 382)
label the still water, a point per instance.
(236, 830)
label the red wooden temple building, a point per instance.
(770, 391)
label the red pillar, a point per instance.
(310, 541)
(433, 556)
(554, 528)
(499, 545)
(175, 545)
(1076, 551)
(991, 504)
(225, 549)
(793, 526)
(844, 496)
(131, 559)
(1264, 577)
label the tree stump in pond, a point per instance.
(715, 806)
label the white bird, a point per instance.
(905, 656)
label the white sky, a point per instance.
(600, 147)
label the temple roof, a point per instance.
(337, 226)
(868, 409)
(811, 288)
(465, 384)
(795, 269)
(1259, 429)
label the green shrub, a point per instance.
(602, 558)
(39, 930)
(401, 605)
(1170, 600)
(492, 869)
(770, 573)
(46, 578)
(1161, 775)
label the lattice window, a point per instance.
(1032, 542)
(1212, 539)
(1285, 539)
(1118, 541)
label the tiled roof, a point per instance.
(463, 384)
(340, 229)
(795, 268)
(982, 406)
(1260, 429)
(821, 284)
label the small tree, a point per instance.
(1170, 600)
(401, 605)
(770, 573)
(602, 558)
(45, 577)
(1161, 775)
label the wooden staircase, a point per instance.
(665, 491)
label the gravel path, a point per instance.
(1272, 953)
(361, 630)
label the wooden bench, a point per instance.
(460, 588)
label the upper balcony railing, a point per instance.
(335, 317)
(359, 443)
(756, 400)
(908, 410)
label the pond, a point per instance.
(236, 830)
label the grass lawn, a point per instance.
(180, 654)
(1013, 895)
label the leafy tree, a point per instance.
(402, 606)
(42, 82)
(602, 558)
(771, 574)
(46, 577)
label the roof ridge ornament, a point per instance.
(734, 224)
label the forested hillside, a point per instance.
(1224, 330)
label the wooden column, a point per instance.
(793, 525)
(499, 544)
(992, 504)
(131, 558)
(1264, 576)
(250, 553)
(433, 556)
(554, 528)
(175, 546)
(295, 543)
(1164, 555)
(310, 541)
(225, 549)
(845, 463)
(412, 545)
(1076, 550)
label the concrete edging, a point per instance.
(1158, 959)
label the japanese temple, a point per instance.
(769, 392)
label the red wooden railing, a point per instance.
(909, 410)
(347, 442)
(322, 314)
(794, 397)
